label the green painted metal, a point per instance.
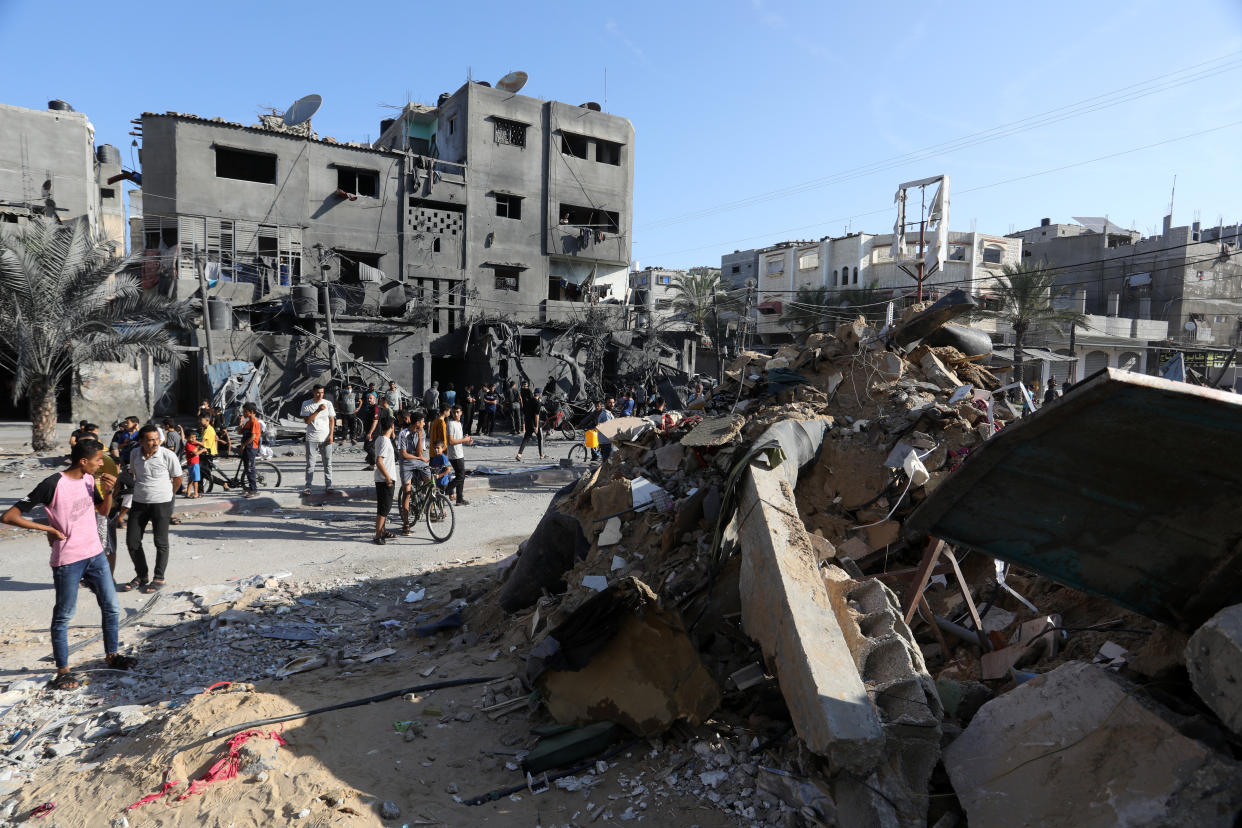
(1129, 486)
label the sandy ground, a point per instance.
(337, 768)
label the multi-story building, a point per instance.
(540, 192)
(865, 261)
(1186, 276)
(50, 166)
(488, 207)
(651, 294)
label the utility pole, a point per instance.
(327, 314)
(202, 289)
(750, 292)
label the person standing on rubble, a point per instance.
(532, 414)
(157, 475)
(605, 414)
(320, 418)
(72, 499)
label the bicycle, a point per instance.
(266, 476)
(427, 500)
(559, 423)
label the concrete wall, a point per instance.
(108, 391)
(48, 145)
(1188, 277)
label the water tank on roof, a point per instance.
(219, 314)
(59, 106)
(591, 105)
(385, 124)
(305, 300)
(108, 154)
(444, 96)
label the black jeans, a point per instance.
(159, 515)
(249, 455)
(459, 477)
(532, 430)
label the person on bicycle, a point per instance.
(252, 436)
(440, 468)
(413, 458)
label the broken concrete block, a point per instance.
(1079, 747)
(824, 549)
(785, 608)
(1214, 661)
(645, 677)
(892, 668)
(611, 533)
(882, 535)
(669, 457)
(890, 365)
(936, 371)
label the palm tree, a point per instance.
(63, 303)
(701, 296)
(810, 310)
(1025, 294)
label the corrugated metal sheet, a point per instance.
(1129, 486)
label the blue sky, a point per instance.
(755, 120)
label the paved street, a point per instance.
(226, 537)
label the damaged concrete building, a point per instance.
(445, 250)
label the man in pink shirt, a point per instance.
(72, 501)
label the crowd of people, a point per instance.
(133, 481)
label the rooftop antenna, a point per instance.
(302, 110)
(1172, 193)
(513, 82)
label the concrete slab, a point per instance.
(786, 609)
(1079, 747)
(1153, 530)
(1214, 661)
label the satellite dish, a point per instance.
(513, 82)
(302, 110)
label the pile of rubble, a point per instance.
(772, 569)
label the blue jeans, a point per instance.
(94, 572)
(249, 455)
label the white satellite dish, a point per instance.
(513, 82)
(302, 110)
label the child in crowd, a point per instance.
(385, 479)
(441, 469)
(193, 451)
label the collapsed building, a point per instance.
(896, 600)
(461, 246)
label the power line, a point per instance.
(1107, 100)
(882, 210)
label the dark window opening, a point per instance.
(575, 145)
(452, 125)
(510, 132)
(107, 192)
(370, 348)
(245, 166)
(8, 218)
(153, 238)
(529, 346)
(420, 146)
(855, 275)
(508, 206)
(435, 245)
(507, 278)
(992, 255)
(606, 152)
(358, 182)
(737, 269)
(602, 220)
(350, 259)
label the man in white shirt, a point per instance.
(456, 452)
(157, 474)
(320, 419)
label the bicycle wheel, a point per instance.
(578, 454)
(568, 431)
(208, 482)
(266, 475)
(440, 520)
